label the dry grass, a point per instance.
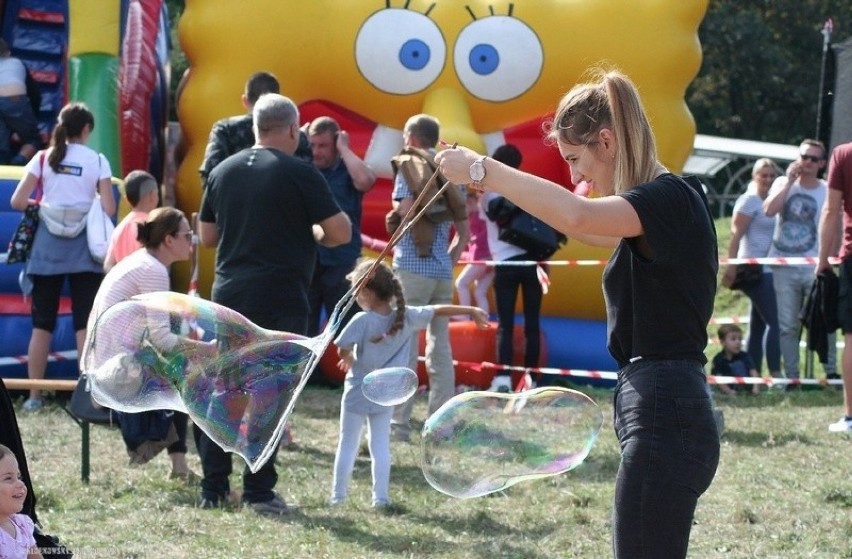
(783, 489)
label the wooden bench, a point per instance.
(60, 385)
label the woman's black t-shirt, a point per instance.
(658, 307)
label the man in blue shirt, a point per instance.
(424, 260)
(349, 178)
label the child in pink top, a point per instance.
(480, 276)
(142, 193)
(16, 529)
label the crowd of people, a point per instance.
(281, 205)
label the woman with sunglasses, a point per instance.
(659, 288)
(751, 237)
(166, 237)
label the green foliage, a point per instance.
(760, 78)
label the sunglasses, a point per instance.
(811, 158)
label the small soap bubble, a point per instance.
(236, 380)
(389, 386)
(481, 442)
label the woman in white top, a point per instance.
(166, 237)
(71, 176)
(751, 237)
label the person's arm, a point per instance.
(347, 358)
(208, 234)
(333, 231)
(739, 225)
(478, 315)
(21, 197)
(363, 177)
(829, 223)
(107, 197)
(584, 219)
(215, 152)
(774, 203)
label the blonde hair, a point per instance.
(386, 286)
(762, 163)
(610, 101)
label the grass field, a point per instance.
(783, 489)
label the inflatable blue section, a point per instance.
(37, 33)
(15, 324)
(578, 344)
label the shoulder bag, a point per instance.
(22, 240)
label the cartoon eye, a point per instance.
(400, 51)
(497, 58)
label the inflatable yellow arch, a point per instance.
(489, 70)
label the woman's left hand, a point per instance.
(455, 163)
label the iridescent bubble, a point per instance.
(389, 386)
(238, 382)
(482, 442)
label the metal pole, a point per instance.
(824, 103)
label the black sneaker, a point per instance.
(273, 507)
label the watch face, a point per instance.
(477, 171)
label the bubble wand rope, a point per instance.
(319, 344)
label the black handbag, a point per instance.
(524, 230)
(83, 407)
(22, 239)
(748, 275)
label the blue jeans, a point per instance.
(669, 453)
(763, 331)
(792, 286)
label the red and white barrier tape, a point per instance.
(53, 356)
(608, 375)
(791, 261)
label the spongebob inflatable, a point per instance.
(490, 71)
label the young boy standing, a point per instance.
(143, 195)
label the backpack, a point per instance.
(524, 230)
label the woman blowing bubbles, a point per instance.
(659, 287)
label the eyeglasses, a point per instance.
(187, 235)
(811, 158)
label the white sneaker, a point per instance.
(841, 426)
(501, 383)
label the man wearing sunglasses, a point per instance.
(797, 198)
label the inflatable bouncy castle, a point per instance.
(112, 55)
(491, 71)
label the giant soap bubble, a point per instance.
(238, 382)
(482, 442)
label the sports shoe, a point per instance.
(501, 383)
(841, 426)
(273, 507)
(33, 404)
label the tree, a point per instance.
(760, 76)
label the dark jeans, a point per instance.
(328, 286)
(507, 280)
(763, 325)
(669, 453)
(217, 464)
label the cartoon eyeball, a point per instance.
(498, 58)
(400, 63)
